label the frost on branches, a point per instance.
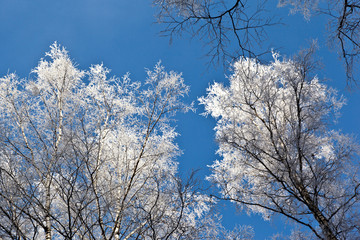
(278, 155)
(87, 156)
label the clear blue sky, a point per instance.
(122, 34)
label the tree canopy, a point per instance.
(87, 156)
(278, 154)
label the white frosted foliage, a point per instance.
(277, 154)
(88, 156)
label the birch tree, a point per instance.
(278, 153)
(88, 156)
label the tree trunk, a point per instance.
(47, 209)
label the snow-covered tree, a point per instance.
(278, 154)
(87, 156)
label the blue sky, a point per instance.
(122, 34)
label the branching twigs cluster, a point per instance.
(229, 28)
(347, 33)
(236, 28)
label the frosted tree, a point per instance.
(278, 154)
(88, 156)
